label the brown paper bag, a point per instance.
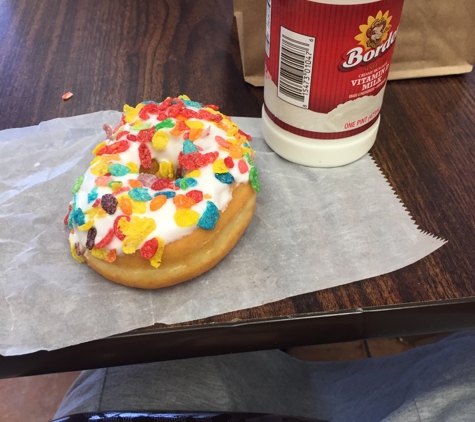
(435, 38)
(251, 25)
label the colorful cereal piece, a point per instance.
(91, 237)
(248, 158)
(136, 226)
(156, 260)
(196, 195)
(195, 134)
(209, 114)
(92, 196)
(139, 125)
(110, 134)
(254, 178)
(167, 123)
(133, 167)
(74, 253)
(183, 201)
(87, 226)
(121, 190)
(77, 184)
(186, 182)
(121, 134)
(115, 148)
(189, 146)
(165, 103)
(111, 256)
(140, 194)
(125, 205)
(167, 194)
(219, 166)
(182, 183)
(242, 140)
(149, 248)
(98, 147)
(160, 140)
(106, 240)
(243, 167)
(222, 142)
(248, 137)
(186, 217)
(146, 135)
(135, 231)
(235, 151)
(187, 114)
(179, 128)
(190, 103)
(118, 170)
(193, 174)
(157, 202)
(195, 160)
(165, 170)
(146, 179)
(150, 108)
(67, 96)
(118, 147)
(117, 231)
(130, 113)
(79, 249)
(102, 180)
(229, 162)
(210, 217)
(66, 219)
(78, 217)
(194, 124)
(115, 185)
(99, 253)
(226, 178)
(163, 184)
(138, 207)
(205, 132)
(134, 183)
(109, 203)
(191, 182)
(145, 156)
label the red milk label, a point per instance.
(327, 64)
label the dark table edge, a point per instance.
(161, 344)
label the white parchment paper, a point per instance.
(313, 229)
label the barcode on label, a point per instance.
(295, 67)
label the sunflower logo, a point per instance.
(375, 32)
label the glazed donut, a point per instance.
(169, 193)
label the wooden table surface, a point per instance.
(113, 52)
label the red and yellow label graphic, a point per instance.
(375, 32)
(374, 39)
(349, 49)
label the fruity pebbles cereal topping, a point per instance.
(166, 169)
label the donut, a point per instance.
(168, 194)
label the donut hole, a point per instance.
(154, 168)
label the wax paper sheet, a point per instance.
(312, 229)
